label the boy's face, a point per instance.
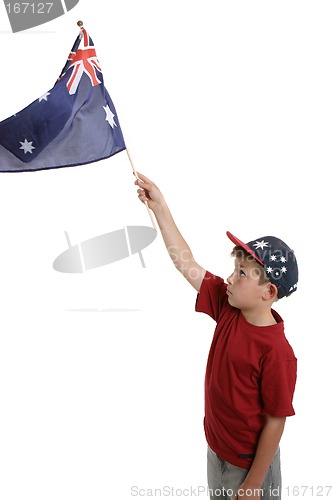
(244, 291)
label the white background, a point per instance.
(228, 107)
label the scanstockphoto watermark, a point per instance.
(302, 491)
(182, 259)
(197, 491)
(173, 492)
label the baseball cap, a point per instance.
(278, 259)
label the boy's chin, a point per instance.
(231, 301)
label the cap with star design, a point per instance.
(277, 258)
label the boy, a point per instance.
(251, 368)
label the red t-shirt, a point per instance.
(251, 370)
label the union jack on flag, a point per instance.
(84, 61)
(74, 123)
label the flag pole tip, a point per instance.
(79, 23)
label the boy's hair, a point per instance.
(239, 252)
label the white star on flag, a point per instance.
(272, 258)
(27, 146)
(260, 244)
(283, 259)
(44, 97)
(269, 270)
(109, 116)
(284, 269)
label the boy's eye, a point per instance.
(241, 272)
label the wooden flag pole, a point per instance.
(146, 203)
(80, 24)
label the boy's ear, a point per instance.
(270, 292)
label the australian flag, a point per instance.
(74, 123)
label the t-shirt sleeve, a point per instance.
(278, 386)
(211, 296)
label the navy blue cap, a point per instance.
(278, 259)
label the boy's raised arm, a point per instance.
(177, 247)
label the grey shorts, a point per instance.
(224, 479)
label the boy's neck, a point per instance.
(259, 318)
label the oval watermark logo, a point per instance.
(25, 15)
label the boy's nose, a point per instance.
(230, 279)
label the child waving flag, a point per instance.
(251, 368)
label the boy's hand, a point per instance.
(148, 192)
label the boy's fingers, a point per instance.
(141, 183)
(144, 178)
(143, 198)
(139, 175)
